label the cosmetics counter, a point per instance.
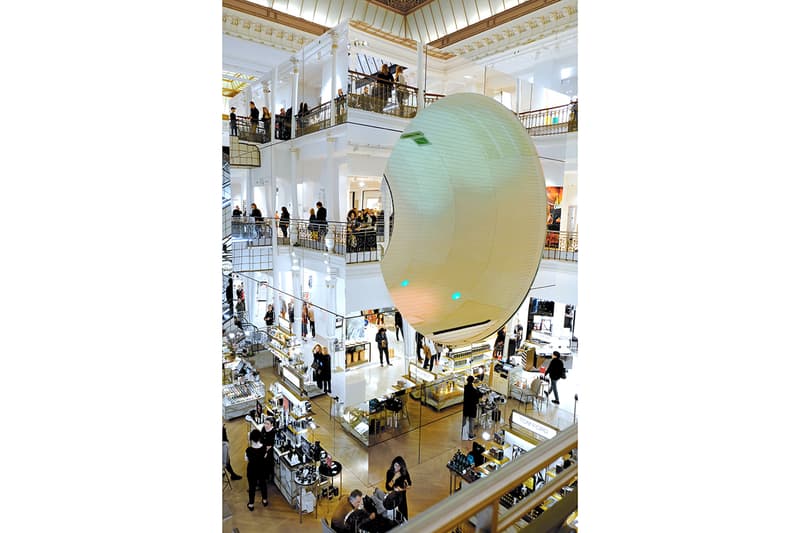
(288, 362)
(367, 420)
(523, 434)
(241, 389)
(445, 387)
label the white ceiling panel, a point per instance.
(293, 8)
(430, 27)
(413, 28)
(397, 25)
(470, 10)
(307, 9)
(484, 8)
(496, 6)
(458, 14)
(448, 15)
(361, 10)
(369, 14)
(433, 22)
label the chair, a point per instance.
(325, 527)
(226, 480)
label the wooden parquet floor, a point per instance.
(426, 453)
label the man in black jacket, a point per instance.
(383, 345)
(470, 408)
(234, 126)
(253, 117)
(555, 371)
(322, 220)
(255, 212)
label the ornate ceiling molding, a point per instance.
(277, 17)
(503, 17)
(403, 7)
(263, 32)
(535, 27)
(402, 41)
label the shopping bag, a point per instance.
(465, 430)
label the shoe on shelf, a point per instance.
(250, 506)
(235, 477)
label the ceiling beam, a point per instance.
(508, 15)
(266, 13)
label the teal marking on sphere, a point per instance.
(456, 295)
(404, 283)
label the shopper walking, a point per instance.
(499, 343)
(258, 218)
(291, 316)
(470, 409)
(419, 338)
(226, 456)
(234, 129)
(256, 457)
(383, 345)
(269, 316)
(284, 222)
(253, 117)
(325, 370)
(428, 365)
(384, 86)
(555, 371)
(398, 325)
(316, 365)
(229, 294)
(398, 480)
(400, 89)
(311, 321)
(304, 321)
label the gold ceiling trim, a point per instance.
(402, 41)
(392, 5)
(278, 17)
(263, 32)
(503, 17)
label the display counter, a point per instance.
(367, 420)
(239, 398)
(356, 353)
(507, 446)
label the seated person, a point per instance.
(350, 516)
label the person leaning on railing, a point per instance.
(284, 222)
(266, 119)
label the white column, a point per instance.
(294, 155)
(331, 196)
(420, 77)
(295, 90)
(297, 290)
(250, 296)
(274, 94)
(334, 47)
(519, 94)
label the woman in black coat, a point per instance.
(470, 407)
(284, 222)
(256, 457)
(398, 481)
(325, 370)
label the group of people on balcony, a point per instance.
(363, 227)
(253, 132)
(375, 96)
(241, 225)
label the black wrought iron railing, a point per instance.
(315, 119)
(245, 130)
(561, 246)
(248, 228)
(551, 120)
(358, 243)
(379, 96)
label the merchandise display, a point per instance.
(357, 353)
(239, 398)
(367, 420)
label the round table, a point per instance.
(313, 482)
(334, 470)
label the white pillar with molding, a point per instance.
(420, 77)
(295, 90)
(334, 46)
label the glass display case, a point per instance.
(239, 398)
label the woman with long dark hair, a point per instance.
(256, 457)
(398, 481)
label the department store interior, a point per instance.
(297, 284)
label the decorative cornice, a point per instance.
(402, 41)
(277, 17)
(533, 28)
(264, 32)
(503, 17)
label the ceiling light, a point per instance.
(361, 184)
(467, 76)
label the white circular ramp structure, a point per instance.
(469, 205)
